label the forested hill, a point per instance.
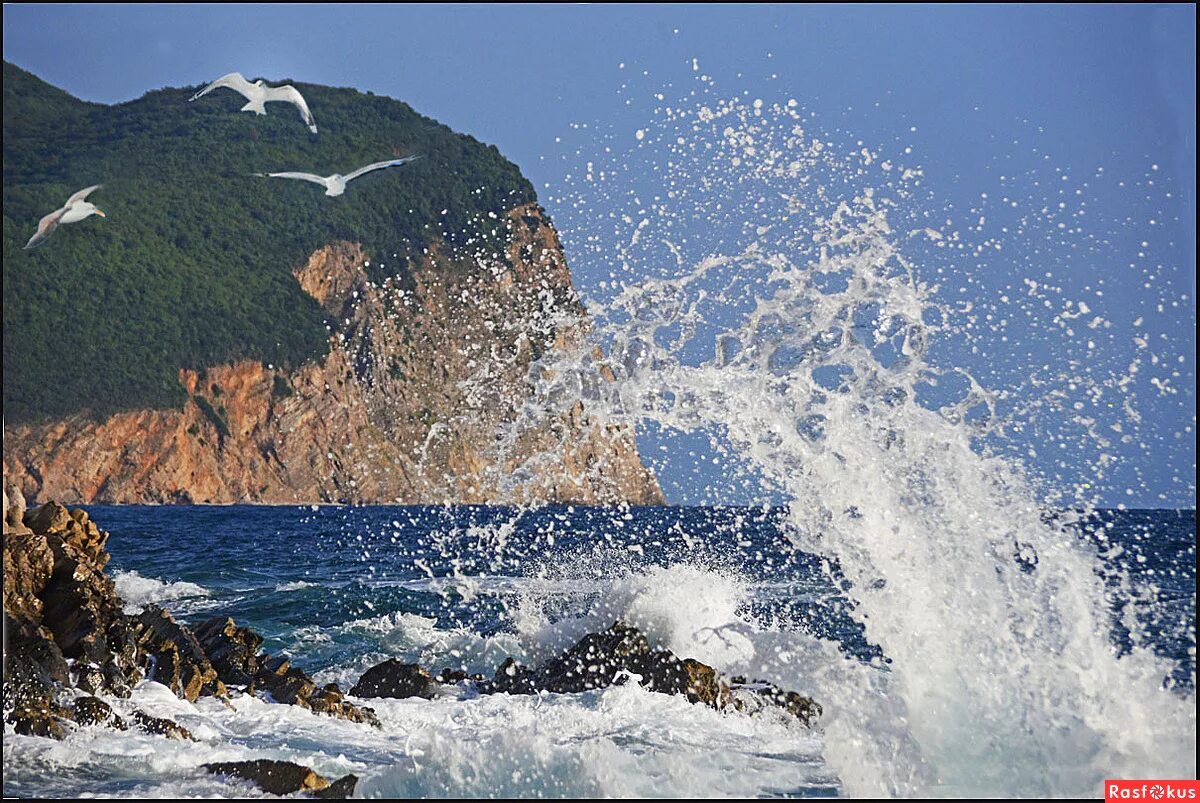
(193, 265)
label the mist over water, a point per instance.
(784, 296)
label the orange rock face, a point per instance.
(423, 372)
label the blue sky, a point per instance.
(1110, 86)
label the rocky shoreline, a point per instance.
(69, 643)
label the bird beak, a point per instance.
(101, 214)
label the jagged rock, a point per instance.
(595, 661)
(14, 510)
(511, 677)
(178, 661)
(161, 726)
(341, 789)
(274, 777)
(620, 653)
(757, 696)
(232, 650)
(38, 716)
(50, 517)
(234, 654)
(395, 679)
(94, 711)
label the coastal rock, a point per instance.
(758, 696)
(232, 650)
(234, 653)
(341, 789)
(273, 777)
(14, 509)
(622, 654)
(176, 658)
(395, 679)
(388, 415)
(161, 726)
(94, 711)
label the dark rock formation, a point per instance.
(161, 726)
(94, 711)
(176, 658)
(622, 654)
(284, 778)
(66, 629)
(395, 679)
(234, 654)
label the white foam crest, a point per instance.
(137, 591)
(414, 639)
(618, 742)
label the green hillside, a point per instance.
(192, 266)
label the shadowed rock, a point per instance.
(234, 654)
(622, 654)
(395, 679)
(161, 726)
(94, 711)
(274, 777)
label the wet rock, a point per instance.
(341, 789)
(757, 696)
(395, 679)
(274, 777)
(232, 650)
(622, 654)
(511, 677)
(177, 659)
(33, 709)
(234, 654)
(595, 661)
(161, 726)
(94, 711)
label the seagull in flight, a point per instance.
(259, 94)
(74, 210)
(336, 184)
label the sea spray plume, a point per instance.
(783, 313)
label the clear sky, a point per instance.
(1110, 86)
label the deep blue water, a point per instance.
(280, 569)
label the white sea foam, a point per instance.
(297, 585)
(136, 591)
(620, 742)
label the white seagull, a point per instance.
(336, 184)
(259, 94)
(73, 211)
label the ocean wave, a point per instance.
(297, 585)
(137, 591)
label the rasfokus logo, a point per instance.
(1152, 790)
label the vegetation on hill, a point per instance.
(193, 265)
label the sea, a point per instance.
(338, 589)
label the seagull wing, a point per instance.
(290, 94)
(82, 194)
(302, 176)
(234, 81)
(379, 166)
(45, 226)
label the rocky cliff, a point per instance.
(221, 337)
(416, 401)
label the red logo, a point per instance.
(1152, 790)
